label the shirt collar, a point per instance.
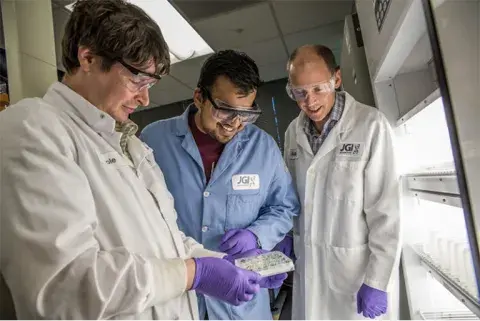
(338, 106)
(128, 127)
(61, 96)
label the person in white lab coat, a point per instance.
(88, 226)
(340, 154)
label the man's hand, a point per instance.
(273, 282)
(237, 241)
(286, 247)
(222, 280)
(371, 302)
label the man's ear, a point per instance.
(86, 59)
(198, 98)
(338, 78)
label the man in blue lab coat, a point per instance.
(231, 187)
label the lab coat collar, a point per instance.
(182, 128)
(61, 96)
(181, 123)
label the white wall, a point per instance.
(30, 47)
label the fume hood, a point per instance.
(423, 62)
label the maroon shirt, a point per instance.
(210, 149)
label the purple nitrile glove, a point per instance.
(237, 241)
(371, 302)
(269, 282)
(286, 247)
(222, 280)
(273, 282)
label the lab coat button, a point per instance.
(204, 228)
(206, 194)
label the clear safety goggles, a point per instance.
(137, 80)
(226, 113)
(314, 91)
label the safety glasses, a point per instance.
(137, 80)
(316, 90)
(226, 113)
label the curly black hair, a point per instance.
(237, 66)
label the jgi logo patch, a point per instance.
(351, 149)
(245, 182)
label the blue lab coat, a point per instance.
(207, 211)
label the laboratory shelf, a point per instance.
(448, 315)
(453, 286)
(437, 185)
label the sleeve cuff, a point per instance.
(257, 238)
(377, 284)
(202, 252)
(170, 279)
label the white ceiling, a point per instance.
(268, 31)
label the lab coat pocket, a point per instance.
(346, 268)
(242, 209)
(346, 179)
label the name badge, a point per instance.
(351, 150)
(112, 159)
(243, 182)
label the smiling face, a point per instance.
(313, 84)
(225, 91)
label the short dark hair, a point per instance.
(237, 66)
(323, 52)
(114, 30)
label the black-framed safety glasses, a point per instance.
(138, 80)
(226, 113)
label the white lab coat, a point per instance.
(82, 236)
(348, 232)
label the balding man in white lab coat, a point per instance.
(347, 238)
